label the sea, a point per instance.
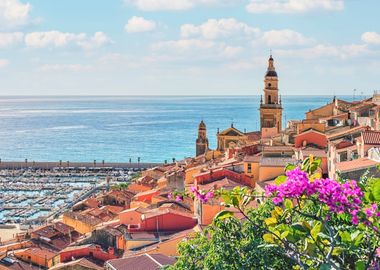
(120, 128)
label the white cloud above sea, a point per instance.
(14, 13)
(293, 6)
(139, 24)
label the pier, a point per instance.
(67, 165)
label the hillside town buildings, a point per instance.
(140, 226)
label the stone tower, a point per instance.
(270, 106)
(202, 141)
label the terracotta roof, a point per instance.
(77, 247)
(39, 252)
(278, 148)
(276, 161)
(346, 132)
(252, 158)
(309, 131)
(138, 188)
(88, 219)
(164, 211)
(356, 164)
(224, 183)
(313, 151)
(254, 135)
(80, 264)
(339, 116)
(371, 137)
(142, 262)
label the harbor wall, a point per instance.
(68, 164)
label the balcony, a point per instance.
(272, 106)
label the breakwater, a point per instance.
(95, 165)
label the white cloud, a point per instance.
(326, 51)
(197, 48)
(139, 24)
(65, 67)
(9, 39)
(221, 28)
(154, 5)
(13, 13)
(3, 63)
(293, 6)
(371, 38)
(98, 40)
(60, 39)
(285, 37)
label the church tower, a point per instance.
(270, 106)
(202, 141)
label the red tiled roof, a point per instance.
(346, 132)
(356, 164)
(81, 263)
(142, 262)
(253, 136)
(313, 151)
(164, 211)
(371, 137)
(39, 252)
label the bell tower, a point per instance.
(201, 146)
(270, 106)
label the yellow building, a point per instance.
(270, 106)
(81, 223)
(231, 138)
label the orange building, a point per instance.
(38, 256)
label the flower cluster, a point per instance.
(296, 185)
(339, 197)
(202, 196)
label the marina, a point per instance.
(30, 196)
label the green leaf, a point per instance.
(223, 215)
(325, 266)
(376, 190)
(299, 227)
(271, 221)
(337, 251)
(316, 229)
(360, 265)
(288, 204)
(269, 238)
(345, 236)
(289, 167)
(284, 234)
(279, 210)
(279, 180)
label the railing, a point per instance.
(271, 106)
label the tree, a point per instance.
(306, 223)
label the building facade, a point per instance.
(202, 141)
(270, 106)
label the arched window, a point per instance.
(269, 99)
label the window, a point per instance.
(269, 99)
(249, 168)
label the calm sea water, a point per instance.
(119, 128)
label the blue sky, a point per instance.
(187, 47)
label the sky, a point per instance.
(188, 47)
